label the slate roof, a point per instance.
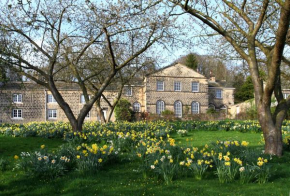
(220, 83)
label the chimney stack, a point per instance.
(211, 76)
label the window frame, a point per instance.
(178, 115)
(128, 89)
(158, 84)
(139, 107)
(17, 114)
(51, 110)
(51, 99)
(160, 107)
(175, 85)
(192, 90)
(219, 95)
(198, 107)
(19, 98)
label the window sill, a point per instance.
(16, 118)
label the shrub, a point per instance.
(211, 111)
(167, 112)
(123, 111)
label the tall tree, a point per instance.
(191, 61)
(245, 91)
(45, 39)
(256, 30)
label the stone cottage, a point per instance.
(176, 88)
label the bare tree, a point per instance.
(45, 39)
(256, 31)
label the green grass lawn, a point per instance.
(10, 146)
(124, 178)
(200, 138)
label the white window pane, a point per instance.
(159, 107)
(178, 109)
(195, 87)
(160, 86)
(52, 113)
(14, 98)
(50, 99)
(17, 98)
(218, 93)
(128, 91)
(136, 107)
(195, 108)
(177, 86)
(19, 113)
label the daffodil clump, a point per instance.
(83, 158)
(182, 132)
(94, 131)
(286, 137)
(150, 142)
(90, 158)
(262, 170)
(228, 160)
(42, 163)
(227, 166)
(36, 129)
(235, 147)
(159, 156)
(197, 161)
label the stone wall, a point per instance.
(35, 107)
(180, 74)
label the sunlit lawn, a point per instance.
(200, 138)
(124, 178)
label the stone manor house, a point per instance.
(176, 88)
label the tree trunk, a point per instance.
(77, 127)
(100, 112)
(110, 114)
(272, 133)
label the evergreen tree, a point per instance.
(191, 61)
(246, 91)
(123, 111)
